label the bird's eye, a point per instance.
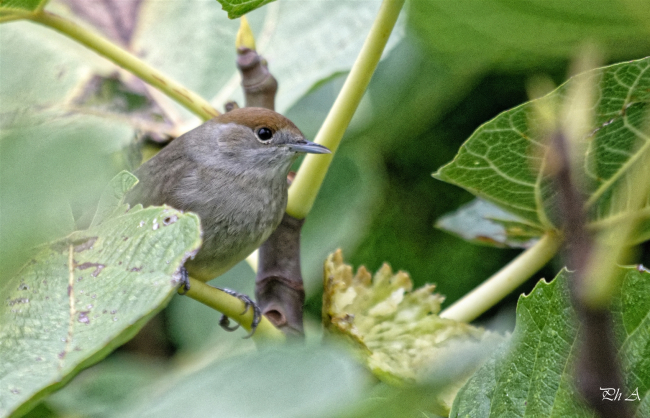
(264, 134)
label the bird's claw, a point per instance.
(248, 303)
(185, 281)
(224, 323)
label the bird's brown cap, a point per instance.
(257, 117)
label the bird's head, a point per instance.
(259, 138)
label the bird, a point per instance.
(232, 172)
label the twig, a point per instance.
(232, 307)
(597, 363)
(279, 286)
(259, 84)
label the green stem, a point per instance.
(309, 178)
(192, 101)
(232, 307)
(10, 17)
(501, 284)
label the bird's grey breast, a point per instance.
(239, 215)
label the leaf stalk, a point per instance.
(309, 177)
(502, 283)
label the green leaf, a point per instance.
(104, 388)
(41, 68)
(51, 157)
(513, 35)
(82, 296)
(290, 381)
(113, 197)
(238, 8)
(49, 162)
(533, 374)
(21, 5)
(330, 37)
(632, 313)
(502, 161)
(482, 222)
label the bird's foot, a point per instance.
(185, 281)
(224, 322)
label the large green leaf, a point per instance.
(102, 389)
(49, 161)
(40, 67)
(533, 374)
(291, 381)
(330, 37)
(237, 8)
(503, 161)
(84, 295)
(523, 34)
(51, 158)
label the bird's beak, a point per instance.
(308, 147)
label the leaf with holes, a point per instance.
(503, 161)
(532, 375)
(84, 295)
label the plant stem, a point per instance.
(232, 308)
(309, 178)
(490, 292)
(192, 101)
(10, 17)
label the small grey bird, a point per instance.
(232, 172)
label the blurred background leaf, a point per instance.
(330, 36)
(48, 162)
(295, 381)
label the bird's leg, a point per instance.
(248, 303)
(185, 281)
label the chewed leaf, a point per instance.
(503, 161)
(238, 8)
(112, 198)
(482, 222)
(84, 295)
(395, 329)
